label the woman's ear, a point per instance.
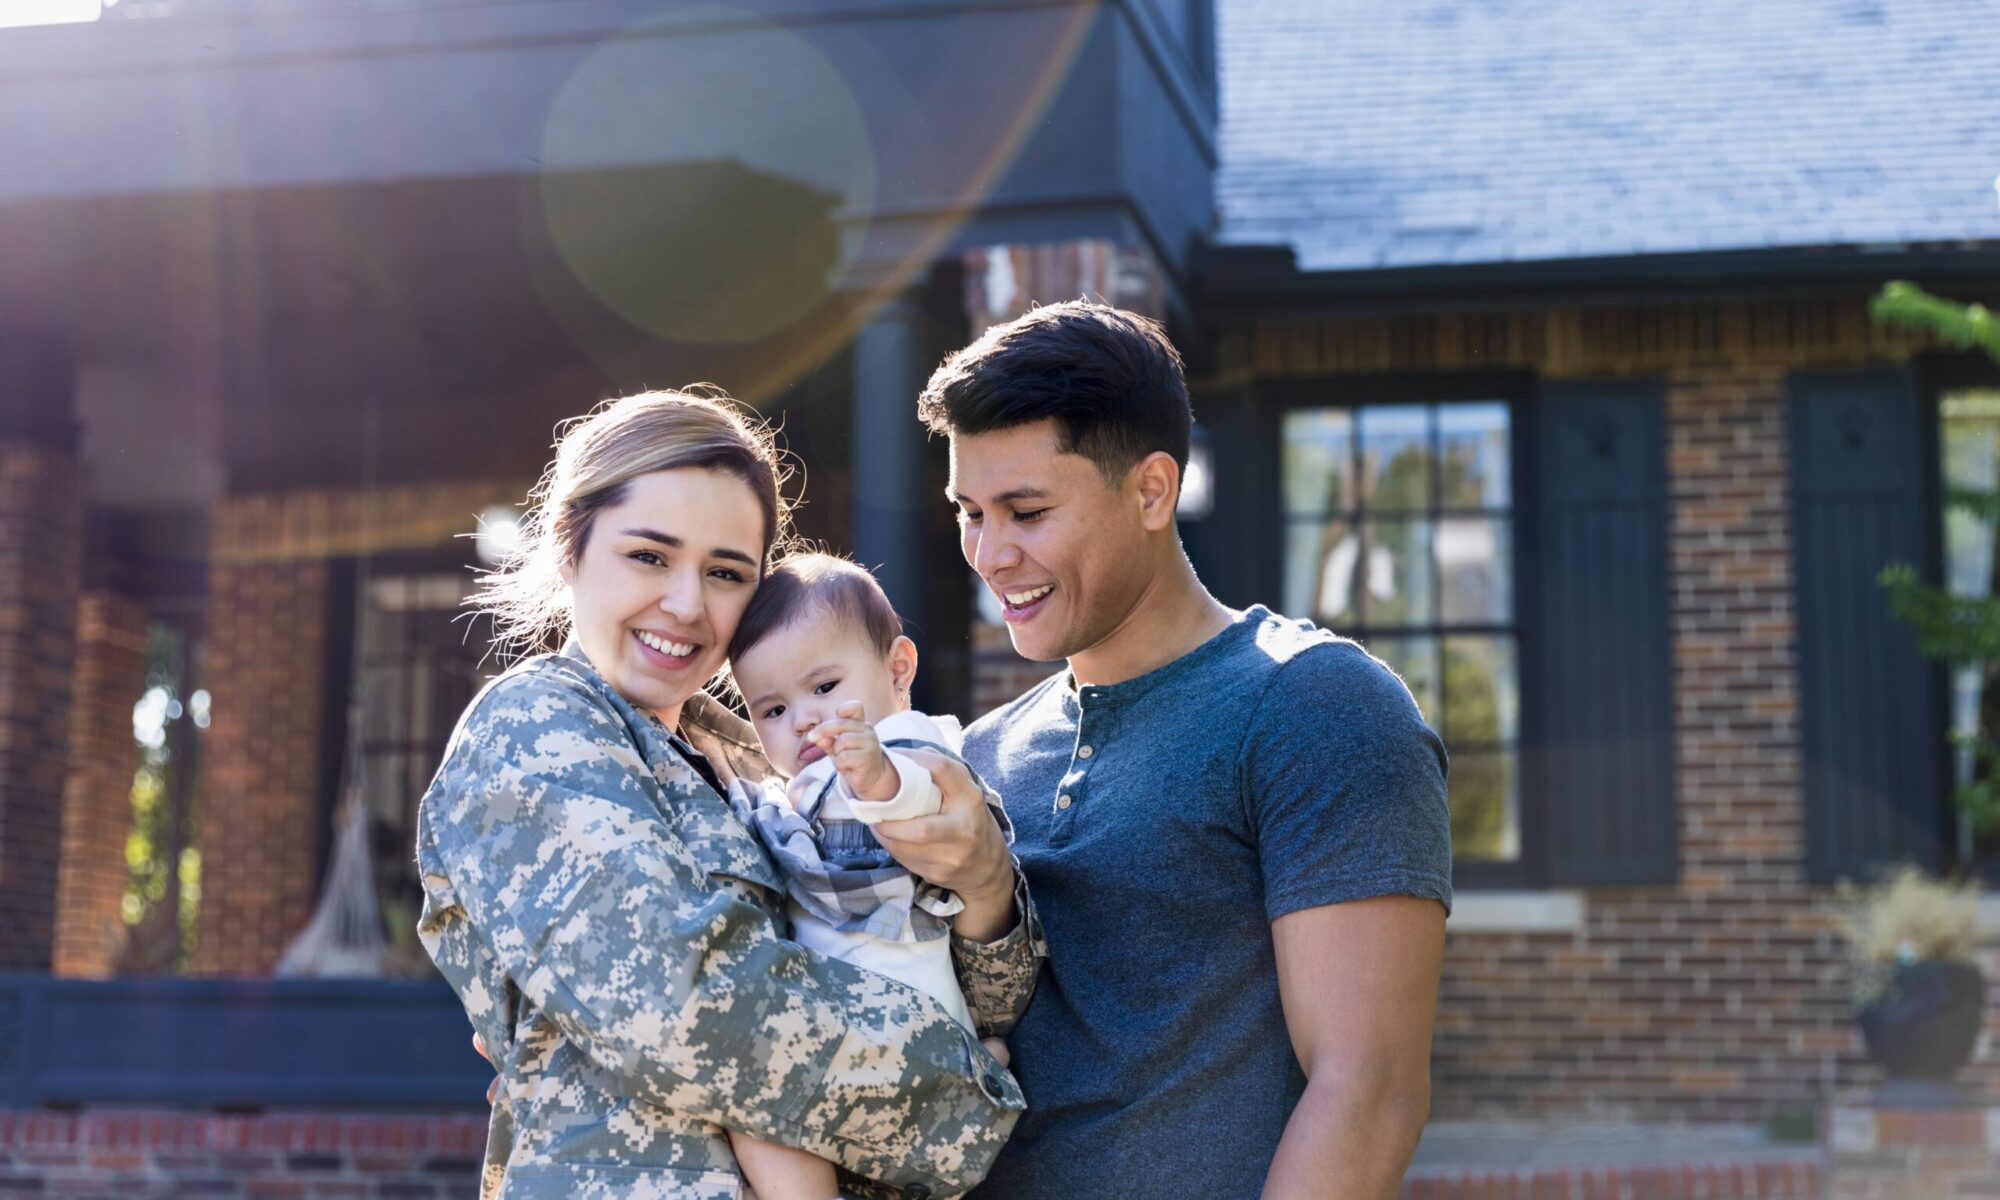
(903, 669)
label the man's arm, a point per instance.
(1359, 983)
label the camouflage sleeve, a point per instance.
(998, 978)
(668, 974)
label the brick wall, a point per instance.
(130, 1156)
(1914, 1154)
(97, 798)
(41, 545)
(1725, 996)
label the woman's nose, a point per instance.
(682, 598)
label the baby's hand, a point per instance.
(850, 741)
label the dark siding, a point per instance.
(1602, 653)
(1868, 701)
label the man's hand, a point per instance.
(851, 742)
(960, 848)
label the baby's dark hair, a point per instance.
(819, 583)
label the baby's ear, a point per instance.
(903, 667)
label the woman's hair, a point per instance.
(597, 457)
(815, 583)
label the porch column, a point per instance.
(109, 677)
(893, 357)
(41, 557)
(260, 766)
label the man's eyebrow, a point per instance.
(1006, 497)
(673, 543)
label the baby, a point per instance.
(819, 651)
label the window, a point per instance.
(418, 668)
(1399, 532)
(1969, 454)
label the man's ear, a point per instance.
(903, 667)
(1157, 478)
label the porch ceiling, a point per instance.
(248, 339)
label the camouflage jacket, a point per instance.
(614, 933)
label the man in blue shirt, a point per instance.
(1234, 824)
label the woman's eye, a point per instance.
(1032, 514)
(728, 574)
(826, 687)
(970, 518)
(646, 556)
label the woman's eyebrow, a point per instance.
(673, 543)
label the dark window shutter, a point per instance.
(1603, 660)
(1868, 706)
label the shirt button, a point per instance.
(916, 1191)
(1086, 752)
(1062, 802)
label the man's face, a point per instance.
(1062, 550)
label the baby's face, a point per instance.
(797, 677)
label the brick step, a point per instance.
(1789, 1179)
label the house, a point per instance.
(1530, 345)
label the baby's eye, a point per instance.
(826, 687)
(774, 712)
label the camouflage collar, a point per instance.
(706, 723)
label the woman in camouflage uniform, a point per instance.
(615, 933)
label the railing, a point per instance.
(236, 1044)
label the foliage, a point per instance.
(1961, 630)
(1907, 917)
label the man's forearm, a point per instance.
(1348, 1143)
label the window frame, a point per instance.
(1264, 568)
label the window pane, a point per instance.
(1476, 570)
(1485, 808)
(1396, 458)
(1396, 585)
(1319, 461)
(1482, 692)
(1473, 442)
(1320, 558)
(1416, 660)
(1971, 453)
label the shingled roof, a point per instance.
(1385, 133)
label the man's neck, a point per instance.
(1173, 616)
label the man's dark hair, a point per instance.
(1109, 379)
(812, 582)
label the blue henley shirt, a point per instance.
(1163, 823)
